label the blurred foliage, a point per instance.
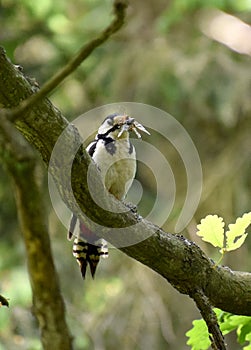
(161, 58)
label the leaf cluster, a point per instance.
(211, 230)
(198, 335)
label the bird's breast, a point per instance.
(117, 165)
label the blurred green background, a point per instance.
(164, 56)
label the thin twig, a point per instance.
(119, 7)
(206, 310)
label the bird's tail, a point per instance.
(87, 247)
(87, 253)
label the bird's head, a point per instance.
(118, 126)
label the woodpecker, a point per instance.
(115, 158)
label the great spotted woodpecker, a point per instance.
(115, 157)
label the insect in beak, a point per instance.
(139, 126)
(132, 124)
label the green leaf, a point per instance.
(248, 338)
(236, 235)
(198, 336)
(243, 332)
(242, 325)
(211, 229)
(226, 324)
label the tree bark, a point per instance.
(177, 259)
(48, 305)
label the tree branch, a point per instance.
(178, 260)
(205, 307)
(20, 162)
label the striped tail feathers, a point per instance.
(87, 247)
(87, 253)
